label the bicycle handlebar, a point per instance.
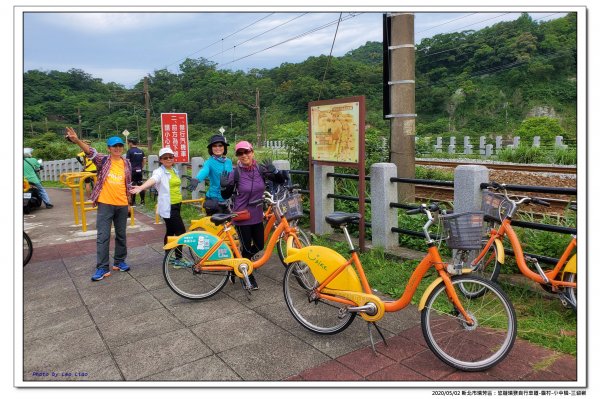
(525, 200)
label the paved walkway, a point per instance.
(132, 327)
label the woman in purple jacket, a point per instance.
(247, 181)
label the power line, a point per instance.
(292, 38)
(219, 41)
(446, 23)
(260, 34)
(329, 58)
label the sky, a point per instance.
(123, 47)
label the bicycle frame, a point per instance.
(351, 297)
(507, 230)
(225, 235)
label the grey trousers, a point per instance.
(107, 215)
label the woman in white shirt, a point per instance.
(168, 184)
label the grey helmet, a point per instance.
(217, 138)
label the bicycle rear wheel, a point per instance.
(180, 276)
(318, 315)
(27, 249)
(469, 347)
(487, 268)
(571, 292)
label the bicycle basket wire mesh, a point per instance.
(492, 205)
(464, 230)
(292, 207)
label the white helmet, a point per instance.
(27, 152)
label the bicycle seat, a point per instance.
(338, 219)
(220, 218)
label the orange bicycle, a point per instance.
(270, 219)
(560, 280)
(324, 292)
(198, 264)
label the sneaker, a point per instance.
(257, 256)
(100, 274)
(49, 206)
(122, 266)
(181, 264)
(142, 203)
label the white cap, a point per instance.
(27, 151)
(164, 151)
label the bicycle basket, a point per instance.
(292, 207)
(464, 230)
(492, 205)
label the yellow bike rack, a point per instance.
(75, 181)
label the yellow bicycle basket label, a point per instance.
(201, 242)
(323, 262)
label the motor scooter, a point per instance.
(31, 197)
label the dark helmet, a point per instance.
(217, 138)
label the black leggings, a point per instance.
(252, 239)
(174, 224)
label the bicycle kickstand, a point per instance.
(371, 335)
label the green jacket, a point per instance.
(30, 167)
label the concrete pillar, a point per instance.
(153, 163)
(536, 141)
(489, 149)
(197, 163)
(323, 206)
(383, 217)
(516, 141)
(467, 189)
(498, 143)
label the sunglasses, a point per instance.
(242, 152)
(167, 157)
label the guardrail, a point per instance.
(381, 190)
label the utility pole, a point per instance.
(402, 99)
(147, 102)
(79, 121)
(257, 106)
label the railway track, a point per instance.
(503, 166)
(446, 194)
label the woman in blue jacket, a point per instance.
(212, 169)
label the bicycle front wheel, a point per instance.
(318, 315)
(467, 347)
(180, 276)
(27, 249)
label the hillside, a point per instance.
(468, 83)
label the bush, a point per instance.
(544, 127)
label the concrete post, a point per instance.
(323, 206)
(282, 164)
(536, 141)
(482, 145)
(383, 217)
(516, 141)
(153, 162)
(197, 163)
(498, 143)
(467, 189)
(489, 149)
